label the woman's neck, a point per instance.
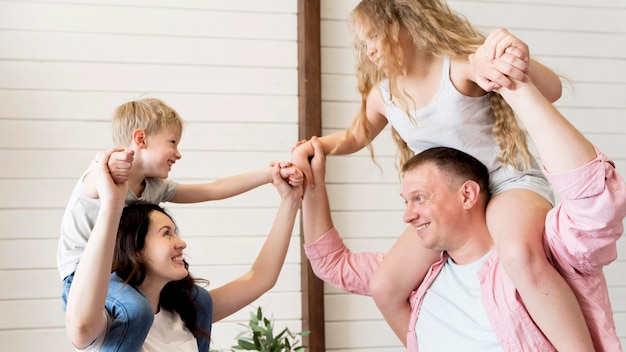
(153, 294)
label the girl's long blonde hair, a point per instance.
(434, 28)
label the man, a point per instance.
(467, 302)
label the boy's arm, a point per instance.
(233, 185)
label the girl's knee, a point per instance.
(521, 259)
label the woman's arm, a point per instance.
(265, 270)
(84, 318)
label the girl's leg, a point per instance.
(401, 272)
(132, 314)
(516, 220)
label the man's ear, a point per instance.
(139, 138)
(470, 193)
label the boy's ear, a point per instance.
(139, 138)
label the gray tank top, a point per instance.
(450, 119)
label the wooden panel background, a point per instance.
(230, 69)
(585, 41)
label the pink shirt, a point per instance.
(580, 239)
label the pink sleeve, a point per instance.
(584, 227)
(334, 263)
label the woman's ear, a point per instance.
(139, 138)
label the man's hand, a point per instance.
(500, 61)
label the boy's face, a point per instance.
(160, 153)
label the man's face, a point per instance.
(433, 207)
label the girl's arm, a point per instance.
(234, 185)
(264, 271)
(335, 144)
(84, 316)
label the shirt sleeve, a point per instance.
(583, 228)
(334, 263)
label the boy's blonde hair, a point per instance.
(149, 114)
(434, 28)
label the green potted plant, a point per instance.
(259, 336)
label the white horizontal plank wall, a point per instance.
(228, 67)
(584, 41)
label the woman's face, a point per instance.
(163, 251)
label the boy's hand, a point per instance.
(120, 164)
(108, 189)
(292, 174)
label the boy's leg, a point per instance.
(132, 317)
(67, 283)
(516, 220)
(399, 274)
(204, 308)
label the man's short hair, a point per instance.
(458, 165)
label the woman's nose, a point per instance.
(181, 244)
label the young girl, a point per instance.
(413, 72)
(142, 245)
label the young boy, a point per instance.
(147, 132)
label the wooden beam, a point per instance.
(310, 124)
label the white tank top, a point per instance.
(450, 119)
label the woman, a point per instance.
(147, 253)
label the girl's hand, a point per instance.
(500, 61)
(499, 41)
(300, 158)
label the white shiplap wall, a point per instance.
(228, 67)
(585, 41)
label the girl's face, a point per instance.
(163, 251)
(160, 153)
(371, 42)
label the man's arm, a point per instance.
(588, 221)
(561, 146)
(330, 259)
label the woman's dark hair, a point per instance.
(128, 265)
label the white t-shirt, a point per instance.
(168, 333)
(452, 316)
